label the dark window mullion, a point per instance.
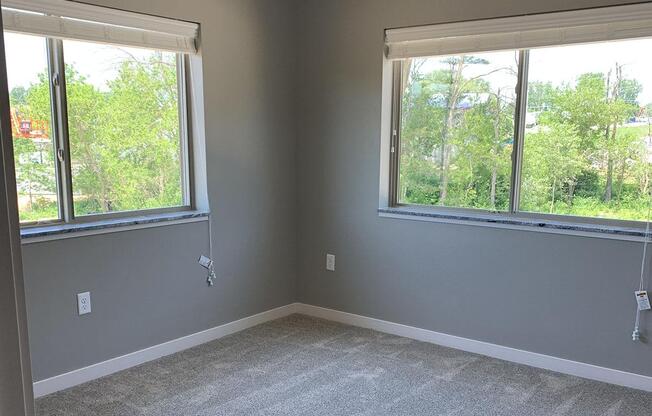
(520, 114)
(54, 129)
(395, 140)
(185, 149)
(60, 126)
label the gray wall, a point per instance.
(293, 144)
(146, 285)
(560, 295)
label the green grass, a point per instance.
(40, 210)
(640, 131)
(635, 210)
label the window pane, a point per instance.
(29, 96)
(588, 139)
(123, 121)
(457, 129)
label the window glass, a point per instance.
(123, 121)
(457, 129)
(31, 112)
(588, 137)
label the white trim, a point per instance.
(74, 9)
(105, 368)
(521, 32)
(560, 365)
(575, 368)
(72, 20)
(197, 125)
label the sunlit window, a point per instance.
(457, 129)
(123, 124)
(578, 144)
(31, 127)
(588, 141)
(97, 128)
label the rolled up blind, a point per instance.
(71, 20)
(521, 32)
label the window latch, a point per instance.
(55, 79)
(60, 155)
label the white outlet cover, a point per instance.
(84, 303)
(330, 262)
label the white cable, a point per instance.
(647, 238)
(210, 236)
(636, 334)
(211, 267)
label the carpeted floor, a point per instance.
(305, 366)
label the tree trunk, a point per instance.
(494, 174)
(609, 185)
(456, 77)
(621, 179)
(571, 191)
(552, 201)
(608, 189)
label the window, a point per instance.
(123, 128)
(588, 137)
(543, 128)
(31, 127)
(457, 129)
(99, 127)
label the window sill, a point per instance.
(61, 231)
(515, 223)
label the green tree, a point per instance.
(33, 157)
(540, 96)
(455, 128)
(124, 139)
(554, 160)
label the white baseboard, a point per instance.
(575, 368)
(94, 371)
(533, 359)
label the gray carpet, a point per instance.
(305, 366)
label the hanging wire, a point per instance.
(645, 243)
(211, 267)
(636, 335)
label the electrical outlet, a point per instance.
(84, 303)
(330, 262)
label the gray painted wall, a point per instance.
(292, 160)
(146, 285)
(560, 295)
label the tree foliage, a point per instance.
(124, 138)
(585, 151)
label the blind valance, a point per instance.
(521, 32)
(72, 20)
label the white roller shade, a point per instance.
(71, 20)
(521, 32)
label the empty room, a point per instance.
(325, 207)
